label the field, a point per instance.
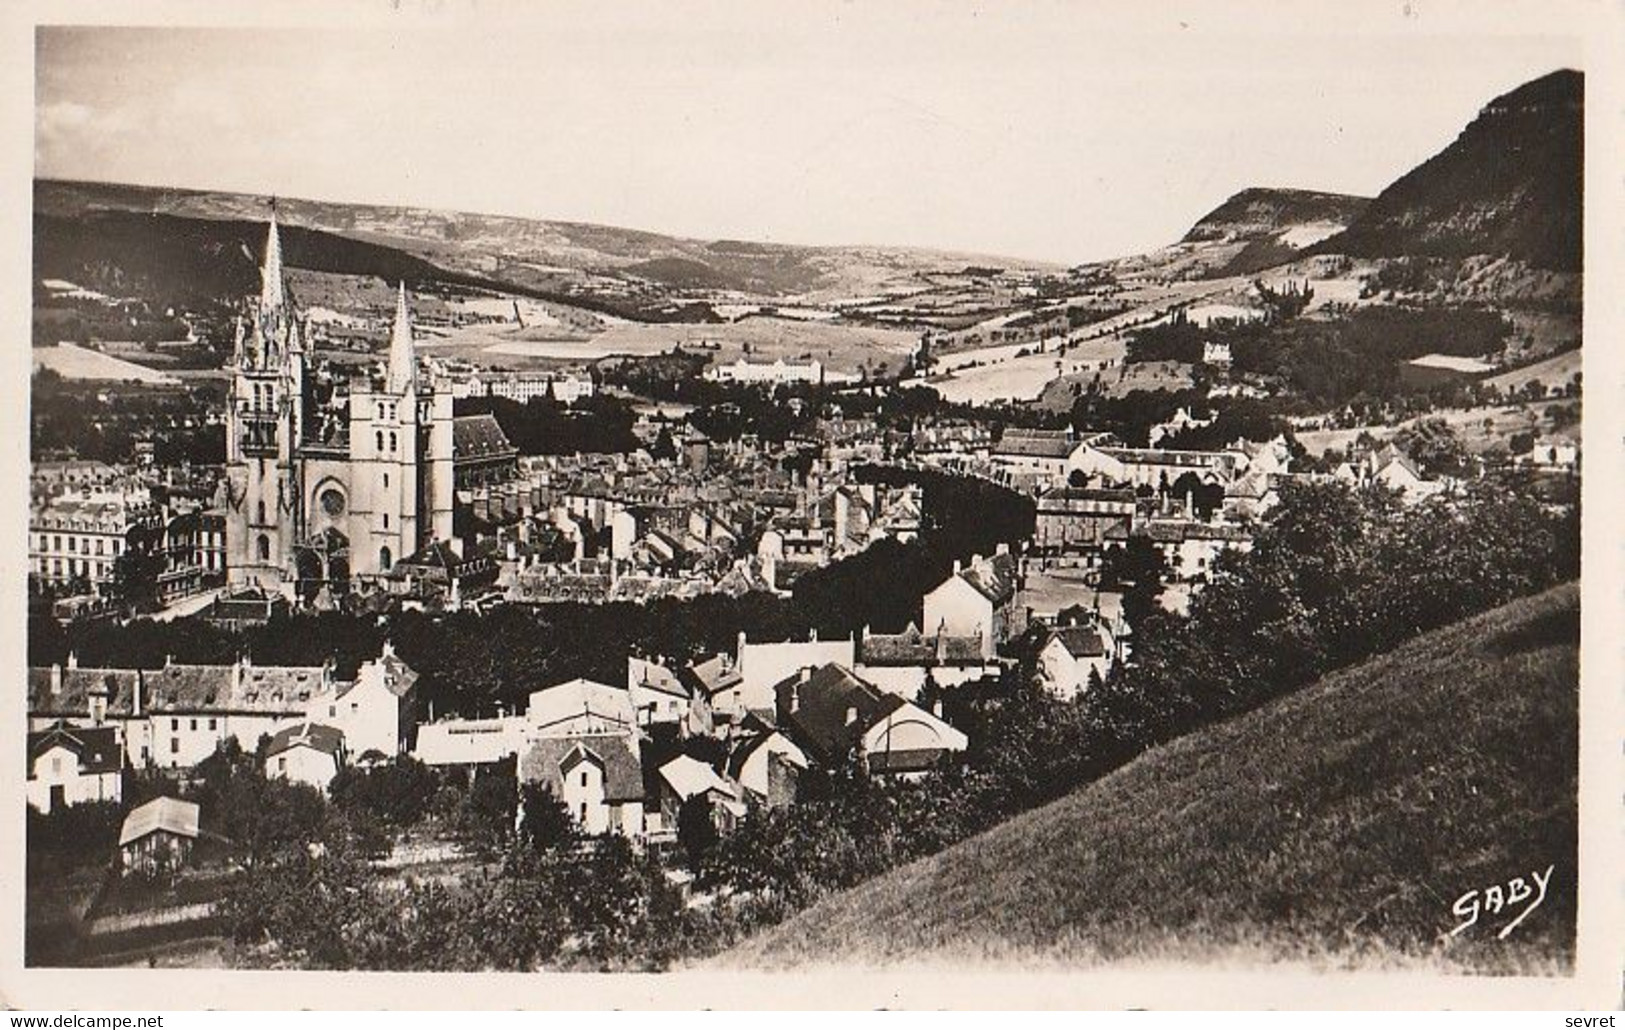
(1334, 829)
(1554, 371)
(1480, 429)
(74, 362)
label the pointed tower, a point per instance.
(263, 422)
(271, 292)
(402, 356)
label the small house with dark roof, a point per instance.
(1070, 656)
(306, 752)
(981, 599)
(599, 778)
(834, 716)
(763, 765)
(686, 780)
(157, 837)
(70, 765)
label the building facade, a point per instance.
(330, 480)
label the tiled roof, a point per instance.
(479, 436)
(815, 709)
(170, 815)
(550, 759)
(1080, 641)
(1035, 443)
(688, 776)
(325, 739)
(911, 647)
(97, 748)
(181, 688)
(994, 578)
(1078, 493)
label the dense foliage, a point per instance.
(596, 424)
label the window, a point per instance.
(392, 442)
(265, 547)
(194, 725)
(583, 777)
(144, 754)
(386, 480)
(386, 520)
(332, 711)
(212, 725)
(282, 765)
(174, 725)
(261, 510)
(174, 745)
(583, 811)
(56, 765)
(72, 548)
(383, 559)
(380, 438)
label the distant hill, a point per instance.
(626, 267)
(1255, 229)
(1508, 186)
(1273, 226)
(1334, 827)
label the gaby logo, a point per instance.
(1496, 897)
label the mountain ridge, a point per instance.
(1509, 185)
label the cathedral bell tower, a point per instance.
(262, 426)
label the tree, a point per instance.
(696, 830)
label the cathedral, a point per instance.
(331, 476)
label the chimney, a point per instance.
(936, 708)
(851, 715)
(795, 698)
(73, 660)
(957, 566)
(1003, 548)
(56, 679)
(806, 673)
(139, 689)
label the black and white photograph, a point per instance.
(768, 489)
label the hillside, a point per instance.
(1269, 227)
(1332, 828)
(1258, 228)
(1509, 186)
(558, 258)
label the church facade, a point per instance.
(332, 477)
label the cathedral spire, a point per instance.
(271, 292)
(402, 357)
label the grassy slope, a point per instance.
(1334, 828)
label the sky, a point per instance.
(1046, 131)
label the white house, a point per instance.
(70, 765)
(979, 600)
(470, 741)
(1071, 654)
(305, 753)
(579, 707)
(375, 711)
(761, 666)
(833, 715)
(597, 777)
(157, 837)
(657, 694)
(685, 778)
(763, 766)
